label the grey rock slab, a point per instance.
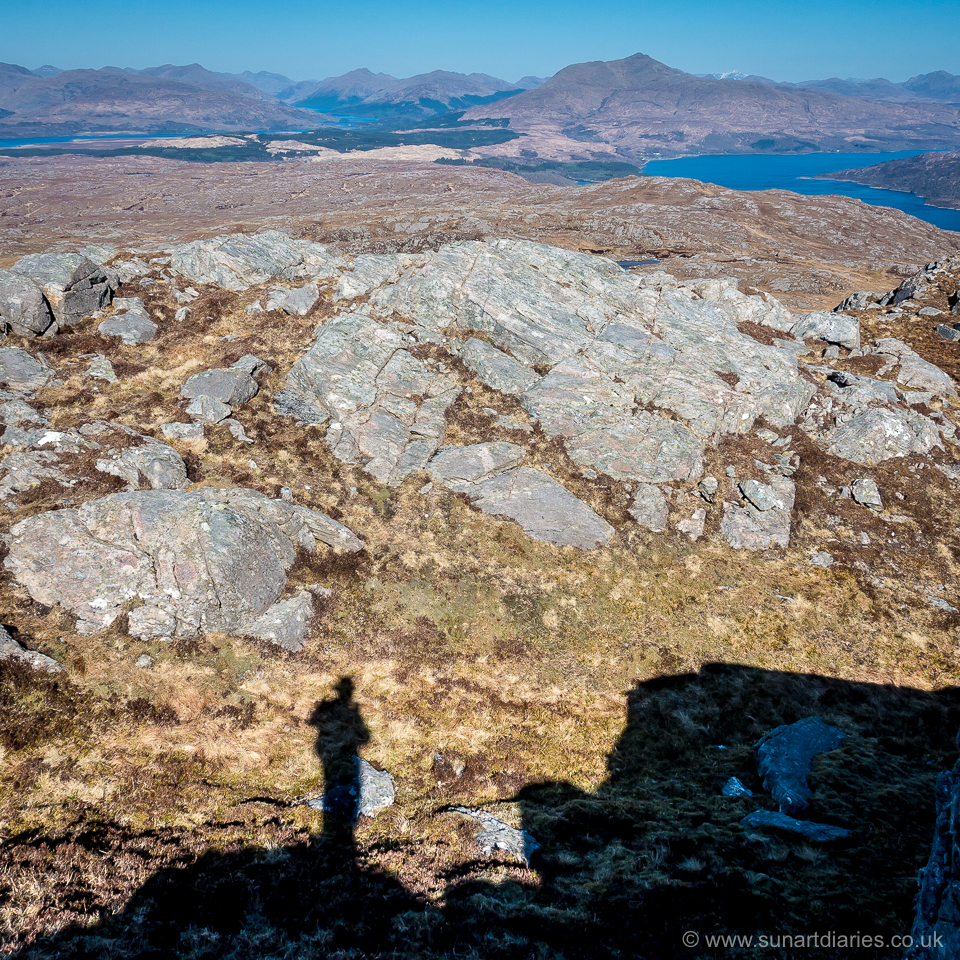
(940, 604)
(835, 328)
(543, 508)
(240, 261)
(457, 467)
(735, 788)
(74, 285)
(11, 650)
(182, 431)
(131, 328)
(204, 560)
(204, 409)
(25, 470)
(229, 386)
(649, 507)
(159, 465)
(948, 333)
(100, 368)
(822, 559)
(784, 756)
(285, 623)
(495, 835)
(236, 430)
(297, 302)
(866, 493)
(497, 369)
(23, 307)
(288, 403)
(21, 372)
(879, 434)
(814, 832)
(929, 312)
(763, 520)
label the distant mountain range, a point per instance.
(163, 99)
(625, 109)
(642, 107)
(933, 176)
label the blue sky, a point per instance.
(311, 40)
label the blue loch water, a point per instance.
(793, 172)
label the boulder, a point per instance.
(285, 623)
(835, 328)
(649, 508)
(132, 328)
(23, 307)
(204, 409)
(159, 465)
(21, 372)
(370, 792)
(74, 286)
(11, 650)
(692, 526)
(298, 302)
(784, 756)
(182, 431)
(495, 835)
(763, 518)
(879, 434)
(913, 371)
(229, 386)
(204, 560)
(866, 493)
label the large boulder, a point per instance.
(185, 562)
(74, 286)
(23, 307)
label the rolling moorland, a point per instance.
(407, 559)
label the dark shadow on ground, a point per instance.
(624, 871)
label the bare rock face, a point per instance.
(879, 434)
(387, 407)
(229, 386)
(239, 261)
(206, 560)
(497, 369)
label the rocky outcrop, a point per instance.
(762, 519)
(178, 563)
(807, 829)
(23, 308)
